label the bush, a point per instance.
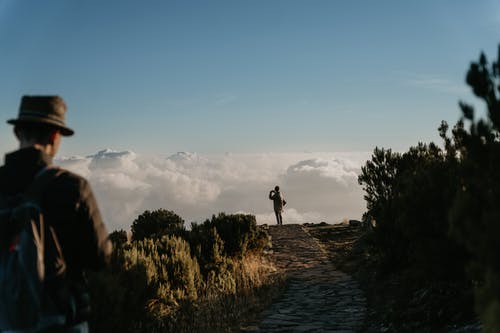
(118, 307)
(409, 197)
(156, 224)
(379, 178)
(438, 211)
(147, 284)
(207, 247)
(118, 238)
(180, 283)
(239, 233)
(475, 215)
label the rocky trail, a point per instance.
(318, 297)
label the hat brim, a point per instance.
(65, 131)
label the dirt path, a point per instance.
(318, 298)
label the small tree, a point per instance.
(157, 223)
(378, 178)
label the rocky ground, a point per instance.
(318, 297)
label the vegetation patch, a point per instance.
(211, 278)
(431, 256)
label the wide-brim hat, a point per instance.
(48, 110)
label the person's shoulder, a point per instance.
(68, 180)
(67, 175)
(65, 189)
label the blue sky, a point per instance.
(244, 76)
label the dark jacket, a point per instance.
(278, 200)
(69, 207)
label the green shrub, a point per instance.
(239, 233)
(207, 247)
(409, 195)
(177, 283)
(379, 177)
(118, 238)
(156, 224)
(118, 307)
(437, 210)
(475, 215)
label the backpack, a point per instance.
(32, 267)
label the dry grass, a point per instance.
(258, 285)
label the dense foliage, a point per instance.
(475, 215)
(436, 210)
(239, 233)
(409, 196)
(165, 280)
(157, 223)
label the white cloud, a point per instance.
(109, 159)
(77, 164)
(317, 186)
(327, 186)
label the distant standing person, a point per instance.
(279, 201)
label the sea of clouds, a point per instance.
(317, 186)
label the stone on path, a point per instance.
(318, 297)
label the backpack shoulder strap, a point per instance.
(41, 181)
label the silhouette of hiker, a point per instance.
(277, 197)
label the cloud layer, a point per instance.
(317, 186)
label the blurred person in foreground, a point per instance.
(68, 207)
